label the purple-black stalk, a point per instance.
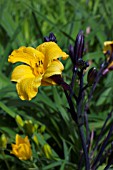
(97, 77)
(79, 65)
(103, 147)
(102, 131)
(81, 122)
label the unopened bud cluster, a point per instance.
(50, 38)
(76, 52)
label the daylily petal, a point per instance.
(28, 88)
(55, 68)
(24, 152)
(21, 72)
(47, 82)
(27, 55)
(110, 65)
(108, 46)
(19, 140)
(106, 43)
(51, 51)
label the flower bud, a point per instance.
(47, 150)
(50, 38)
(19, 121)
(91, 75)
(42, 129)
(79, 46)
(46, 39)
(3, 141)
(35, 139)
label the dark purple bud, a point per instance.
(79, 46)
(71, 52)
(46, 39)
(92, 74)
(50, 38)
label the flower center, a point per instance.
(39, 69)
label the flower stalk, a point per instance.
(78, 67)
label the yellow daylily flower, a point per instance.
(22, 148)
(40, 64)
(108, 46)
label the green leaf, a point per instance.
(103, 97)
(7, 110)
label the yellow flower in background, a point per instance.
(22, 148)
(108, 46)
(39, 65)
(108, 51)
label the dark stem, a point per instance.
(81, 130)
(72, 109)
(80, 161)
(85, 87)
(101, 133)
(73, 81)
(108, 166)
(95, 83)
(81, 122)
(83, 141)
(103, 147)
(87, 103)
(87, 129)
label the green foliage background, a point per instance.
(25, 23)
